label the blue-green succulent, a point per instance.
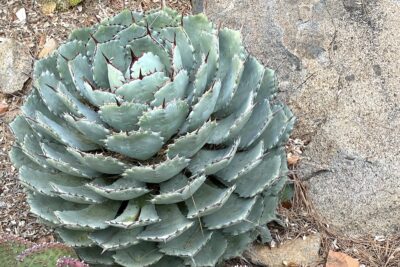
(153, 139)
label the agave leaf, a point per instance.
(146, 44)
(39, 180)
(134, 31)
(68, 51)
(121, 189)
(249, 223)
(44, 206)
(159, 19)
(288, 127)
(93, 217)
(165, 120)
(60, 159)
(229, 128)
(276, 186)
(183, 44)
(264, 234)
(75, 105)
(47, 82)
(77, 194)
(33, 104)
(242, 163)
(81, 34)
(210, 254)
(190, 143)
(157, 173)
(135, 215)
(142, 90)
(32, 149)
(147, 64)
(269, 210)
(172, 90)
(238, 243)
(256, 180)
(212, 161)
(256, 125)
(207, 200)
(199, 83)
(140, 145)
(230, 84)
(202, 110)
(123, 117)
(187, 244)
(200, 32)
(95, 255)
(98, 97)
(82, 76)
(276, 127)
(20, 128)
(19, 159)
(230, 46)
(172, 224)
(115, 77)
(46, 64)
(169, 261)
(250, 81)
(102, 35)
(142, 255)
(177, 64)
(81, 71)
(64, 134)
(93, 131)
(268, 86)
(234, 211)
(178, 189)
(124, 18)
(116, 238)
(99, 162)
(75, 238)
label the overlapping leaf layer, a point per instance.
(153, 140)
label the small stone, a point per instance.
(48, 8)
(338, 259)
(302, 252)
(15, 65)
(48, 48)
(21, 15)
(3, 108)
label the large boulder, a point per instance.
(15, 65)
(338, 66)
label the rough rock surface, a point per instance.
(297, 252)
(15, 65)
(338, 67)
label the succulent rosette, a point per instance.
(153, 139)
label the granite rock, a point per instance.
(15, 65)
(338, 68)
(297, 252)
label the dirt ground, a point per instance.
(299, 216)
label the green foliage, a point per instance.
(18, 252)
(153, 140)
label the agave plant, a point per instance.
(153, 139)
